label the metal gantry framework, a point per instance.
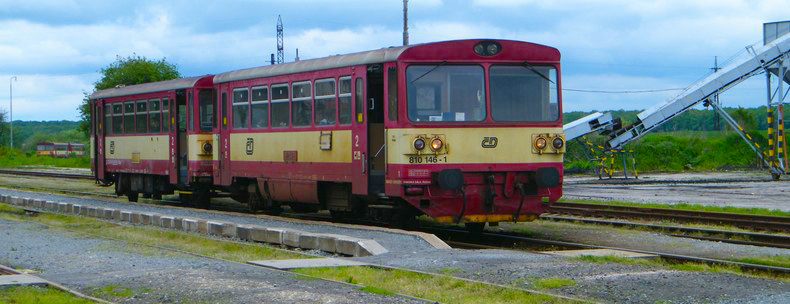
(280, 46)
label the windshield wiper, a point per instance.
(429, 71)
(532, 68)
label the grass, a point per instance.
(112, 292)
(685, 266)
(28, 294)
(691, 207)
(9, 158)
(435, 288)
(771, 260)
(551, 283)
(177, 240)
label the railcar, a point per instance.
(466, 131)
(148, 139)
(60, 150)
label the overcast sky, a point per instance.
(57, 47)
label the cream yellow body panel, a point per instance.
(465, 145)
(307, 144)
(135, 148)
(90, 147)
(194, 146)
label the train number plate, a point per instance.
(429, 159)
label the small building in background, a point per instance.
(60, 149)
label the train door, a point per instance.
(224, 139)
(375, 122)
(169, 107)
(359, 134)
(99, 124)
(181, 136)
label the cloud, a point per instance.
(47, 97)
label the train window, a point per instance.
(154, 116)
(207, 108)
(392, 93)
(259, 108)
(191, 110)
(241, 108)
(128, 118)
(521, 93)
(142, 117)
(344, 106)
(445, 93)
(301, 104)
(165, 114)
(280, 106)
(360, 101)
(224, 110)
(117, 118)
(325, 102)
(107, 128)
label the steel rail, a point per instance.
(747, 238)
(758, 222)
(488, 238)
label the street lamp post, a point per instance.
(11, 108)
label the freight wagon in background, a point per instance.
(466, 131)
(61, 150)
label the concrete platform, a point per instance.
(601, 252)
(20, 280)
(307, 263)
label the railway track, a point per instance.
(45, 174)
(746, 221)
(465, 239)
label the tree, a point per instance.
(4, 130)
(127, 71)
(744, 118)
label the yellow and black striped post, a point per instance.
(780, 137)
(771, 142)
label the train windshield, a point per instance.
(523, 93)
(445, 93)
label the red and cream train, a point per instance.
(463, 131)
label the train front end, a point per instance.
(479, 139)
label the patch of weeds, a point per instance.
(770, 260)
(305, 278)
(350, 280)
(378, 291)
(32, 294)
(112, 292)
(450, 270)
(436, 288)
(691, 207)
(551, 283)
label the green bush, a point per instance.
(15, 158)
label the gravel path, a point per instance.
(156, 276)
(396, 243)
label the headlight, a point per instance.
(557, 143)
(487, 48)
(207, 147)
(419, 144)
(436, 144)
(540, 143)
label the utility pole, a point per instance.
(716, 68)
(11, 108)
(280, 47)
(405, 22)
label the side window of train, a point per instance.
(224, 110)
(241, 108)
(128, 117)
(301, 104)
(107, 128)
(142, 117)
(325, 102)
(191, 110)
(360, 101)
(154, 116)
(259, 107)
(206, 109)
(280, 111)
(165, 114)
(392, 93)
(344, 100)
(117, 118)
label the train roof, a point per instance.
(151, 87)
(331, 62)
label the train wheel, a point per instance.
(201, 198)
(475, 227)
(133, 197)
(185, 198)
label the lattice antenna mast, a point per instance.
(280, 47)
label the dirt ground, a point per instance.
(736, 189)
